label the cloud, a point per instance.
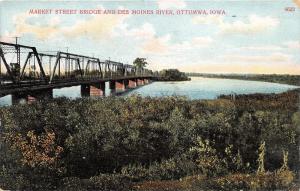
(253, 24)
(292, 44)
(188, 46)
(274, 57)
(25, 24)
(220, 65)
(271, 58)
(145, 37)
(202, 41)
(265, 68)
(259, 48)
(207, 20)
(150, 43)
(163, 46)
(168, 4)
(96, 27)
(146, 31)
(269, 48)
(5, 37)
(297, 2)
(157, 45)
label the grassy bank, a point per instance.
(275, 78)
(137, 143)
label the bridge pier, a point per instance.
(118, 86)
(126, 83)
(140, 82)
(93, 90)
(147, 81)
(32, 96)
(132, 84)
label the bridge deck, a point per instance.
(6, 89)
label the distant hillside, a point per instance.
(276, 78)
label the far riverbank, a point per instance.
(274, 78)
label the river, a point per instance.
(197, 88)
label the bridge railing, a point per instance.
(21, 65)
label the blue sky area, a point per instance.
(245, 37)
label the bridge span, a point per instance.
(29, 75)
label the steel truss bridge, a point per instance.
(24, 72)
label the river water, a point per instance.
(209, 88)
(197, 88)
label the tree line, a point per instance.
(275, 78)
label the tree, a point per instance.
(172, 75)
(140, 62)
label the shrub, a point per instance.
(284, 178)
(109, 182)
(262, 181)
(102, 182)
(137, 172)
(171, 169)
(207, 159)
(71, 183)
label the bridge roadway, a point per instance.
(36, 86)
(29, 75)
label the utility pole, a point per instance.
(18, 66)
(16, 37)
(67, 64)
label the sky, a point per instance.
(245, 36)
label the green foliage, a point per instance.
(172, 75)
(207, 159)
(145, 139)
(275, 78)
(108, 182)
(140, 62)
(170, 169)
(101, 182)
(234, 161)
(267, 181)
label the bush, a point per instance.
(171, 169)
(207, 158)
(102, 182)
(71, 183)
(262, 181)
(109, 182)
(136, 171)
(12, 180)
(284, 178)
